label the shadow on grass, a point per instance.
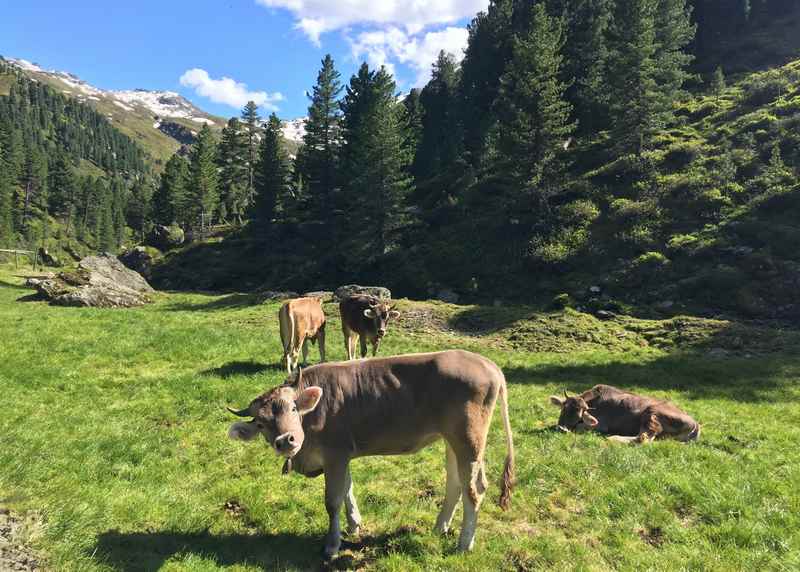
(230, 301)
(149, 551)
(697, 376)
(241, 368)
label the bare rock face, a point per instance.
(99, 282)
(379, 292)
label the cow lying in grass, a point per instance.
(626, 417)
(332, 413)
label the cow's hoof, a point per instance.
(465, 546)
(441, 528)
(354, 528)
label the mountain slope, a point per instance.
(161, 121)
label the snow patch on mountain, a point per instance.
(294, 129)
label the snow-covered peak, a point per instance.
(294, 129)
(161, 104)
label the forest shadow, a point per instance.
(233, 368)
(757, 379)
(227, 302)
(149, 551)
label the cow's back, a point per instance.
(619, 412)
(397, 404)
(306, 315)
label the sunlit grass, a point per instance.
(113, 432)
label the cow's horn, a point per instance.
(242, 412)
(565, 394)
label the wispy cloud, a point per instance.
(388, 32)
(228, 91)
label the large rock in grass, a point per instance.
(379, 292)
(141, 259)
(99, 282)
(166, 237)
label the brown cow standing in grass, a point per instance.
(301, 320)
(625, 416)
(366, 318)
(334, 412)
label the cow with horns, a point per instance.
(364, 318)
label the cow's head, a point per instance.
(574, 411)
(380, 313)
(277, 415)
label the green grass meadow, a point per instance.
(113, 434)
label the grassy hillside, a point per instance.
(114, 442)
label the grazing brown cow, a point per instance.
(334, 412)
(625, 416)
(366, 318)
(301, 320)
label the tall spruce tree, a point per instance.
(322, 142)
(376, 165)
(648, 68)
(203, 180)
(6, 201)
(234, 172)
(251, 119)
(139, 212)
(271, 177)
(170, 199)
(534, 116)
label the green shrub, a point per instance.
(580, 213)
(562, 301)
(651, 260)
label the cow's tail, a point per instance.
(509, 479)
(287, 338)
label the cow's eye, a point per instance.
(294, 407)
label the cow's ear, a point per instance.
(394, 314)
(589, 419)
(557, 401)
(308, 399)
(243, 431)
(369, 313)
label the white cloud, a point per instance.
(381, 47)
(228, 91)
(316, 17)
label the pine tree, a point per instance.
(376, 164)
(203, 179)
(169, 200)
(649, 68)
(322, 142)
(271, 177)
(234, 173)
(138, 211)
(534, 116)
(251, 119)
(6, 201)
(63, 189)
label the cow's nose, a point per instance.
(284, 442)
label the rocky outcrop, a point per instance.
(343, 292)
(47, 258)
(324, 295)
(141, 259)
(166, 237)
(99, 282)
(277, 295)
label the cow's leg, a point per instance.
(468, 445)
(351, 506)
(305, 352)
(452, 493)
(321, 340)
(376, 343)
(335, 491)
(363, 341)
(650, 428)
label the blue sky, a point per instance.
(269, 50)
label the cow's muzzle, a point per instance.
(286, 445)
(381, 333)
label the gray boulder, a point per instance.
(277, 294)
(99, 281)
(324, 295)
(140, 259)
(166, 237)
(343, 292)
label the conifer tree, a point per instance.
(6, 200)
(534, 116)
(271, 177)
(139, 208)
(376, 164)
(203, 180)
(170, 199)
(322, 142)
(251, 119)
(234, 172)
